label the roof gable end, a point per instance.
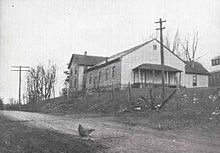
(85, 60)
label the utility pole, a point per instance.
(20, 69)
(162, 54)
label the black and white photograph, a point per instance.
(109, 76)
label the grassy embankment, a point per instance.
(187, 108)
(15, 137)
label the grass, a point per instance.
(15, 137)
(189, 108)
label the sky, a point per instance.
(36, 31)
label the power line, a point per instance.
(162, 53)
(20, 69)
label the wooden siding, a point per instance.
(76, 76)
(202, 80)
(103, 82)
(146, 54)
(80, 77)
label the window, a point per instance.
(213, 63)
(75, 82)
(70, 84)
(154, 47)
(95, 82)
(194, 80)
(217, 76)
(100, 76)
(113, 72)
(90, 79)
(106, 75)
(75, 70)
(71, 71)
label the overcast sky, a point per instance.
(35, 31)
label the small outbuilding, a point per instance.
(196, 75)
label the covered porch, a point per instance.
(146, 74)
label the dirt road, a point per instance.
(124, 138)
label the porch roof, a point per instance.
(157, 67)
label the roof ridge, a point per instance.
(123, 53)
(88, 55)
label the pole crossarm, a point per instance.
(21, 66)
(160, 28)
(21, 70)
(160, 21)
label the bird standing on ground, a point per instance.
(83, 132)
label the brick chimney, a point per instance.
(106, 59)
(85, 53)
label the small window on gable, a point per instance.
(154, 47)
(75, 70)
(194, 80)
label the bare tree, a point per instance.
(188, 48)
(190, 54)
(40, 82)
(173, 45)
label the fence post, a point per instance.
(99, 90)
(151, 99)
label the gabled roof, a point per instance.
(157, 67)
(121, 54)
(195, 68)
(85, 60)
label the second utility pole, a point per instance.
(19, 69)
(162, 54)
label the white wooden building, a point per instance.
(139, 65)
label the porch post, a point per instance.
(168, 82)
(139, 75)
(153, 75)
(134, 75)
(145, 77)
(179, 83)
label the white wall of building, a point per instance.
(146, 54)
(215, 68)
(202, 80)
(80, 77)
